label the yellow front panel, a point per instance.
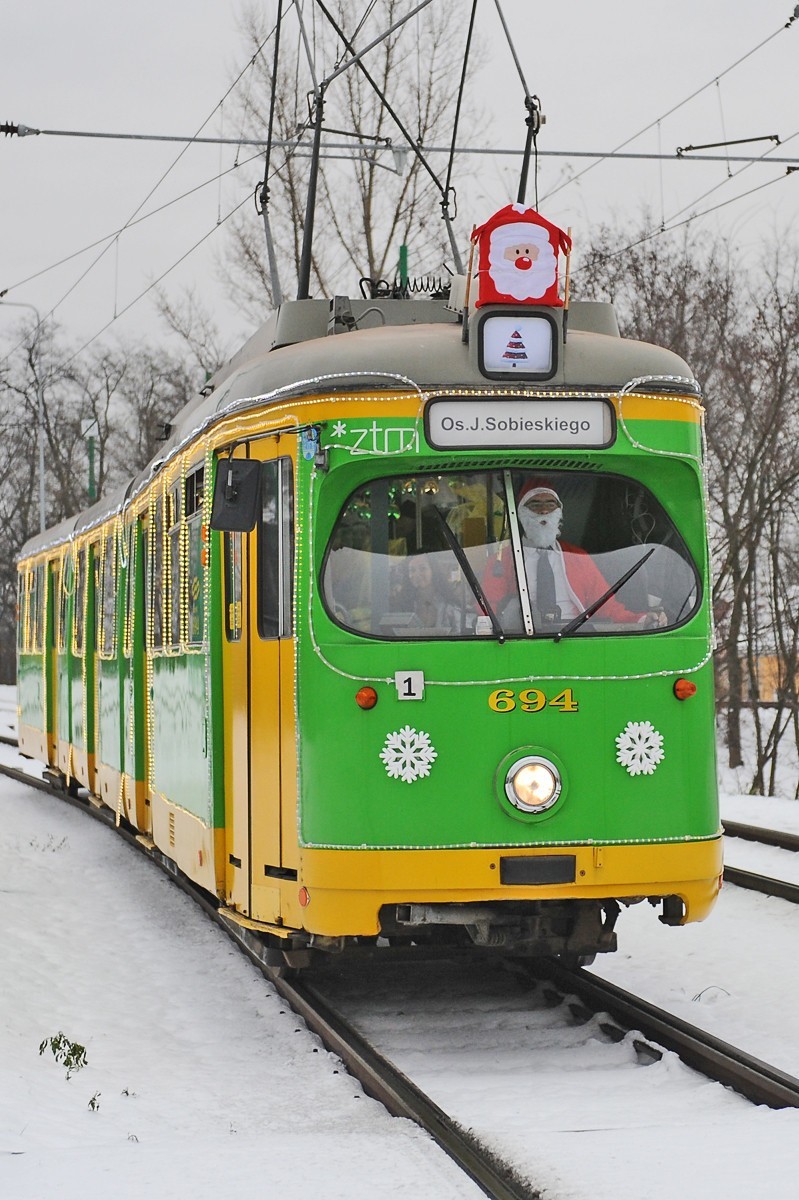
(347, 888)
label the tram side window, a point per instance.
(37, 600)
(175, 574)
(77, 608)
(25, 610)
(21, 577)
(107, 597)
(66, 585)
(154, 576)
(195, 582)
(128, 536)
(233, 615)
(27, 633)
(276, 550)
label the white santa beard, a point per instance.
(524, 285)
(541, 529)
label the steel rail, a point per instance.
(753, 882)
(759, 1081)
(769, 837)
(763, 884)
(379, 1078)
(383, 1081)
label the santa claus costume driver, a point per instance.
(562, 580)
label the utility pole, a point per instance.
(39, 406)
(90, 429)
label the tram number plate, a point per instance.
(409, 685)
(532, 700)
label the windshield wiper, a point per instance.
(587, 613)
(471, 578)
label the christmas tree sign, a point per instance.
(515, 350)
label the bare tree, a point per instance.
(374, 197)
(740, 333)
(129, 391)
(190, 321)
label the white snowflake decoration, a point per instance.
(640, 748)
(408, 755)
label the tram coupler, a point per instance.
(673, 911)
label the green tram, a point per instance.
(404, 637)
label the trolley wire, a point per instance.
(135, 219)
(669, 112)
(248, 66)
(154, 212)
(155, 282)
(667, 227)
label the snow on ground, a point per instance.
(204, 1084)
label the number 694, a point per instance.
(531, 700)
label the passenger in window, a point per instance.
(562, 580)
(348, 578)
(428, 597)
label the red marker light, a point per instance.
(366, 697)
(304, 897)
(684, 689)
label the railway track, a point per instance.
(380, 1078)
(767, 837)
(765, 884)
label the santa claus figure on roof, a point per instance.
(518, 258)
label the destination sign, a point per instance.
(507, 423)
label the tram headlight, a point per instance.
(533, 784)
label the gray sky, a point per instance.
(603, 72)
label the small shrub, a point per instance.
(71, 1054)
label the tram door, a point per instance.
(51, 643)
(258, 688)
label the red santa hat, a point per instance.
(533, 489)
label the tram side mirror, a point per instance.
(237, 494)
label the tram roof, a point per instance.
(393, 344)
(419, 341)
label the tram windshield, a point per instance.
(507, 553)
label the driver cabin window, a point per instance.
(509, 553)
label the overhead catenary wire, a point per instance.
(153, 189)
(494, 151)
(298, 147)
(762, 159)
(678, 155)
(666, 227)
(155, 282)
(669, 112)
(654, 233)
(299, 150)
(109, 237)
